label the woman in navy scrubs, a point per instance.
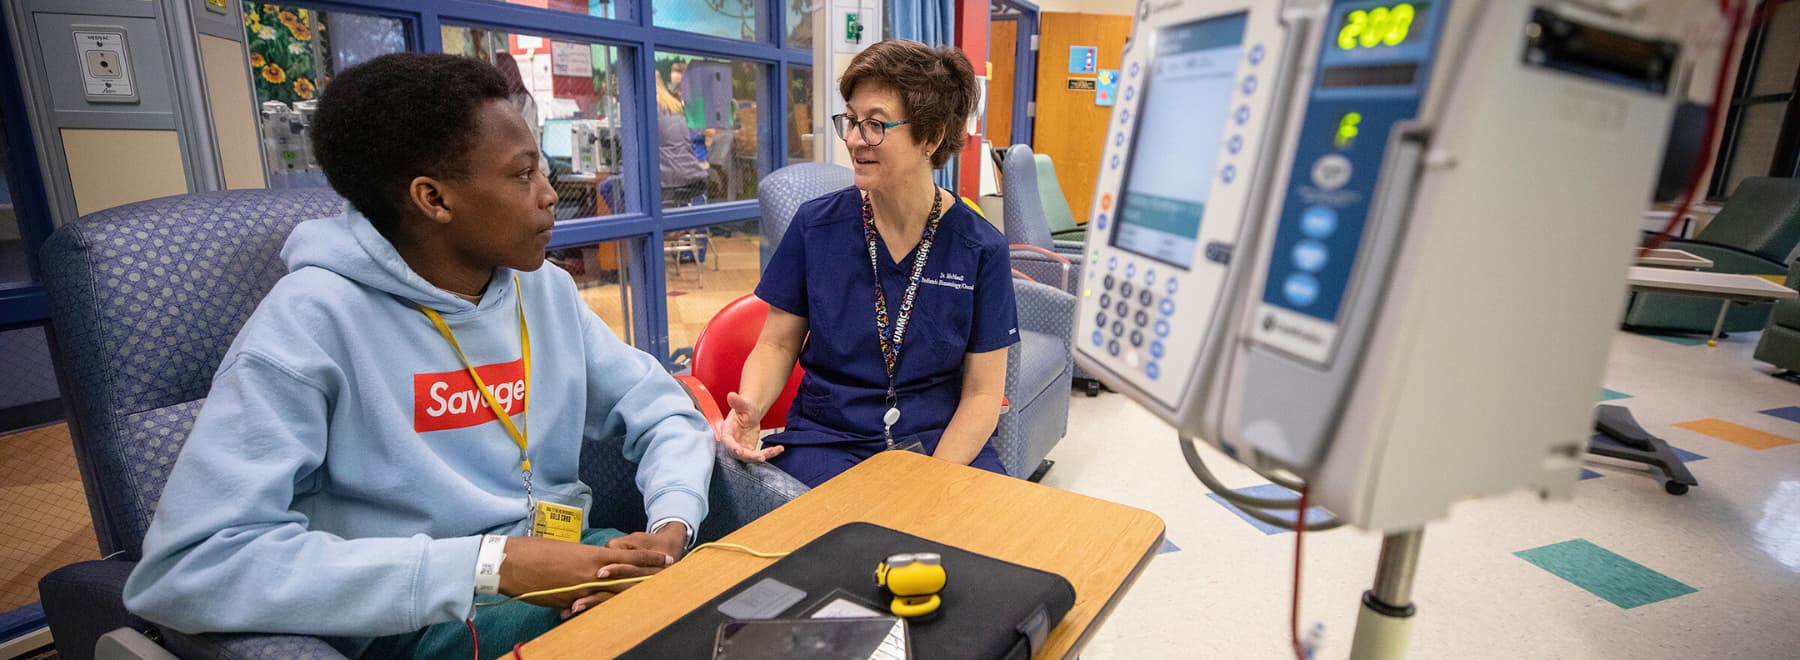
(918, 361)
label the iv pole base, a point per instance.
(1381, 631)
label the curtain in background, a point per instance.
(931, 22)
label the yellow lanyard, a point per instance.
(518, 436)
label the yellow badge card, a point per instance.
(555, 521)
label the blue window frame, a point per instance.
(21, 301)
(634, 31)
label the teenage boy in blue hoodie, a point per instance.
(347, 477)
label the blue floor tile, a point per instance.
(1313, 514)
(21, 620)
(1790, 413)
(1604, 573)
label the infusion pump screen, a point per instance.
(1175, 151)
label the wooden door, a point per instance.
(1003, 38)
(1069, 128)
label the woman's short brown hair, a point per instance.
(936, 86)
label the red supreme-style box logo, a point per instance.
(448, 400)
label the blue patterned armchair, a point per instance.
(144, 300)
(1038, 369)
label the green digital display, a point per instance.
(1378, 27)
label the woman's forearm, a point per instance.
(970, 427)
(765, 374)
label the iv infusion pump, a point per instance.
(1380, 245)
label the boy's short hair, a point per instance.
(396, 117)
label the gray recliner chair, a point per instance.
(144, 301)
(1757, 232)
(1780, 343)
(1037, 369)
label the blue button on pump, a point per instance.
(1171, 285)
(1112, 263)
(1309, 255)
(1156, 349)
(1149, 277)
(1235, 144)
(1162, 328)
(1115, 161)
(1242, 115)
(1301, 289)
(1098, 338)
(1130, 271)
(1228, 174)
(1256, 56)
(1318, 221)
(1128, 93)
(1168, 306)
(1152, 370)
(1100, 222)
(1249, 86)
(1134, 68)
(1119, 139)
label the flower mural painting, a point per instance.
(281, 42)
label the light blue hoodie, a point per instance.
(342, 469)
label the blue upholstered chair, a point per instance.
(145, 299)
(1036, 253)
(1038, 368)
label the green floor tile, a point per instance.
(1604, 573)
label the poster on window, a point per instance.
(569, 59)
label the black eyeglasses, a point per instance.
(873, 132)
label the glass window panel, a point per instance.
(731, 19)
(801, 132)
(1759, 128)
(705, 268)
(293, 53)
(800, 22)
(569, 93)
(602, 273)
(1780, 55)
(709, 133)
(15, 255)
(620, 9)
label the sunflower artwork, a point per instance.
(281, 44)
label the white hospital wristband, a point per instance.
(487, 564)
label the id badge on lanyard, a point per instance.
(890, 346)
(548, 519)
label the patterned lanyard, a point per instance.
(890, 347)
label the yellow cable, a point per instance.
(610, 583)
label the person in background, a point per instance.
(395, 433)
(683, 173)
(896, 299)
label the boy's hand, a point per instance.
(670, 541)
(740, 429)
(535, 564)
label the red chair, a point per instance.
(718, 362)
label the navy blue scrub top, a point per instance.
(964, 305)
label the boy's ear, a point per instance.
(426, 195)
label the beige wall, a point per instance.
(109, 167)
(233, 112)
